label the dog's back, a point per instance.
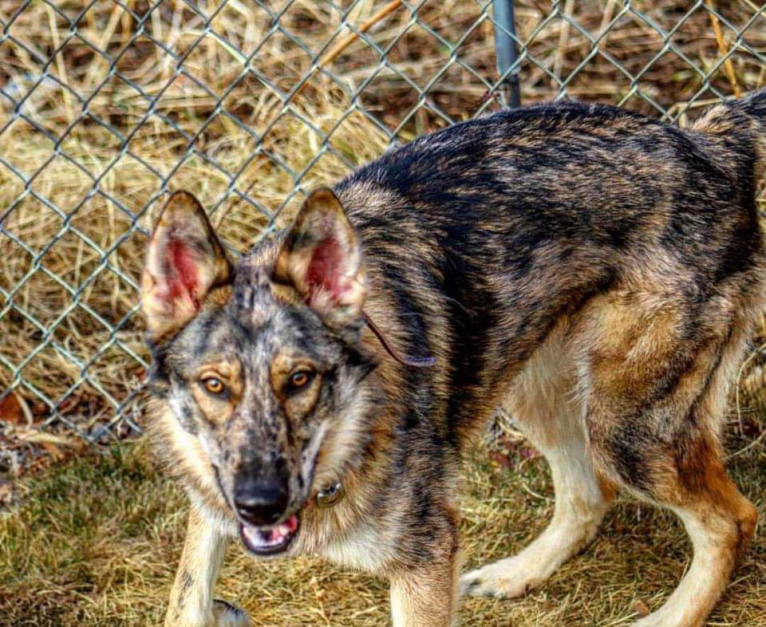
(479, 238)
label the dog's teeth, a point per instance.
(268, 538)
(260, 538)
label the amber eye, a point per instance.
(213, 385)
(300, 379)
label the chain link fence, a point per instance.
(105, 107)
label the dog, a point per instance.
(596, 272)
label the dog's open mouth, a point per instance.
(269, 540)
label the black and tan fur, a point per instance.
(595, 271)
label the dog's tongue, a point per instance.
(265, 538)
(287, 527)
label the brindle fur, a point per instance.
(596, 271)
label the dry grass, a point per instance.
(96, 543)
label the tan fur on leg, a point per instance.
(720, 523)
(580, 506)
(656, 396)
(191, 600)
(543, 401)
(425, 598)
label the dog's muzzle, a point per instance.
(275, 539)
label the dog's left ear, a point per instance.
(322, 260)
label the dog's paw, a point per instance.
(228, 615)
(669, 615)
(657, 619)
(500, 581)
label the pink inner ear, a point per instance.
(182, 277)
(326, 269)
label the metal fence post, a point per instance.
(505, 51)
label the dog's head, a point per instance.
(259, 363)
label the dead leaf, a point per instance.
(501, 459)
(11, 410)
(640, 608)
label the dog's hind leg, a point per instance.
(719, 521)
(686, 475)
(547, 409)
(191, 599)
(655, 397)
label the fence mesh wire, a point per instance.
(105, 107)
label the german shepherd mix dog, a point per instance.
(595, 271)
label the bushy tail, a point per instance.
(754, 105)
(740, 125)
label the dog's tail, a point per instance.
(739, 126)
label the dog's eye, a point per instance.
(300, 379)
(213, 385)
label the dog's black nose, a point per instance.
(260, 501)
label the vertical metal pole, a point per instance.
(505, 51)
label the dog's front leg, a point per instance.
(191, 599)
(425, 597)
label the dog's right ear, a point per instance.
(184, 263)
